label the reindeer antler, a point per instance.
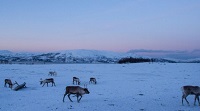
(85, 85)
(16, 83)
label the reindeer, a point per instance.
(76, 90)
(52, 73)
(47, 81)
(9, 82)
(93, 80)
(190, 90)
(76, 80)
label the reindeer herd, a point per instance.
(75, 90)
(79, 91)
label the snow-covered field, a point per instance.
(120, 87)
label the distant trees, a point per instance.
(134, 60)
(4, 61)
(139, 60)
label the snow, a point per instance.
(66, 56)
(120, 87)
(83, 53)
(5, 52)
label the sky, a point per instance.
(115, 25)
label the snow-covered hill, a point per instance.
(177, 55)
(5, 52)
(79, 56)
(67, 56)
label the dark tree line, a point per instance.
(134, 60)
(139, 60)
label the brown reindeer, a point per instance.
(93, 80)
(46, 81)
(76, 90)
(190, 90)
(76, 80)
(9, 82)
(52, 73)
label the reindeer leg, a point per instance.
(80, 98)
(69, 97)
(11, 86)
(77, 95)
(43, 84)
(64, 97)
(184, 97)
(195, 98)
(187, 101)
(198, 99)
(54, 83)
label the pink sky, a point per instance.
(117, 26)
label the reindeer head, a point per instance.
(86, 91)
(41, 81)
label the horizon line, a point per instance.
(131, 50)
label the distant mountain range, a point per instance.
(68, 56)
(83, 56)
(174, 55)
